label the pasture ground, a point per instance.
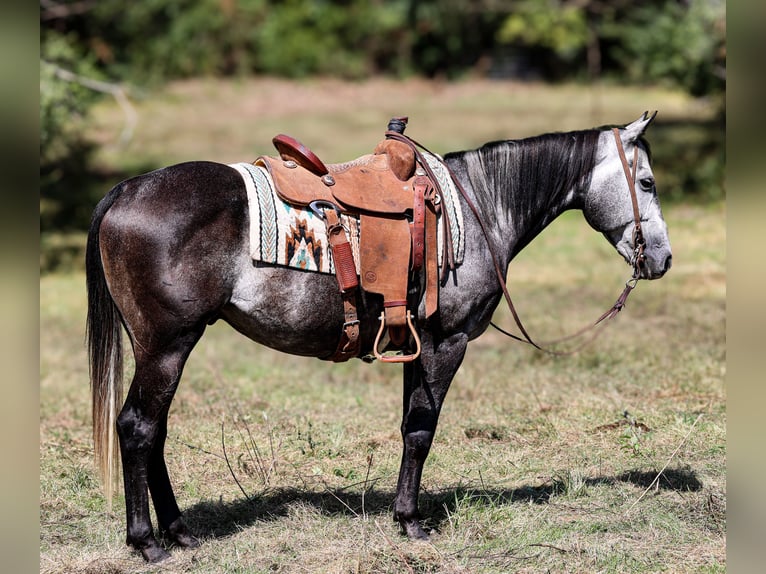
(611, 460)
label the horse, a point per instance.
(167, 254)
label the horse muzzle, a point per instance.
(657, 255)
(656, 263)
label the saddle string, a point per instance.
(602, 321)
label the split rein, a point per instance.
(637, 260)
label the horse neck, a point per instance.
(520, 187)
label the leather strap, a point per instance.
(424, 239)
(343, 257)
(348, 281)
(349, 344)
(418, 231)
(630, 176)
(432, 272)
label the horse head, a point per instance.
(608, 207)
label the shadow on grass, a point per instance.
(219, 519)
(676, 479)
(216, 519)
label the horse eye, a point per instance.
(647, 182)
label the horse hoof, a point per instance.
(185, 540)
(154, 554)
(414, 531)
(180, 534)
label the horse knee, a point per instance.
(137, 434)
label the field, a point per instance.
(611, 460)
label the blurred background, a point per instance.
(129, 87)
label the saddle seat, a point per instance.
(394, 200)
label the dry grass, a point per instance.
(536, 466)
(235, 121)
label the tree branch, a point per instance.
(115, 90)
(54, 10)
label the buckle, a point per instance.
(319, 205)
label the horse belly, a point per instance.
(293, 311)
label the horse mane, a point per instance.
(529, 177)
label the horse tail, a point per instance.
(104, 341)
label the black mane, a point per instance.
(528, 178)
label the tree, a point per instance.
(684, 44)
(63, 104)
(680, 42)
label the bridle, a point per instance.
(637, 262)
(638, 236)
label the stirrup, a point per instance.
(396, 358)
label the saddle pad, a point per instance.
(452, 205)
(283, 234)
(286, 235)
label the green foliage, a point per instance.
(631, 438)
(63, 104)
(557, 25)
(303, 37)
(64, 153)
(450, 37)
(677, 44)
(159, 39)
(669, 42)
(156, 40)
(689, 160)
(649, 40)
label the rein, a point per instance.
(630, 284)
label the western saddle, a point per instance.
(397, 199)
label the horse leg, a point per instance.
(142, 428)
(426, 382)
(168, 514)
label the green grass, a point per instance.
(535, 466)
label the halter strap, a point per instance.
(630, 176)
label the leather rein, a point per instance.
(637, 260)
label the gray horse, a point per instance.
(168, 254)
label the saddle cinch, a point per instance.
(397, 203)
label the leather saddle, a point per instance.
(396, 203)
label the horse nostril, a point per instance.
(668, 263)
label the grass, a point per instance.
(540, 463)
(235, 121)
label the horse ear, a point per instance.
(633, 131)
